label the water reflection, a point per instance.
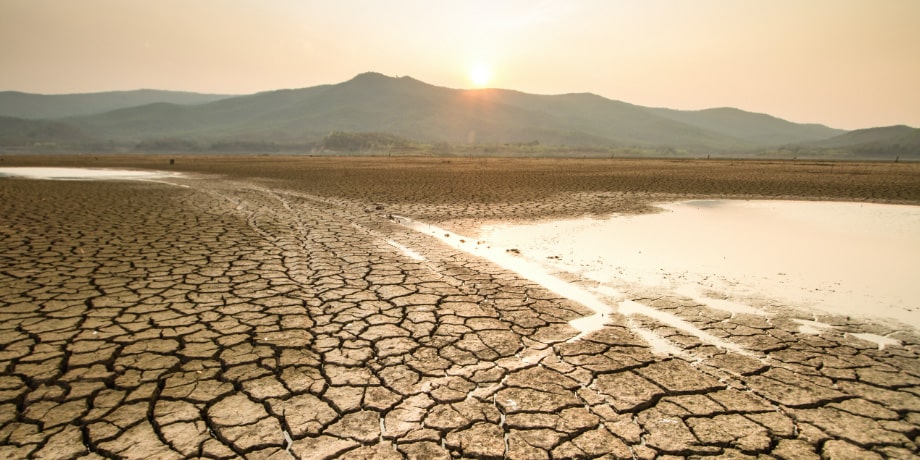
(741, 256)
(83, 173)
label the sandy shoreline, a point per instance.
(275, 308)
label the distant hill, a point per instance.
(49, 106)
(886, 141)
(21, 132)
(758, 128)
(411, 109)
(373, 111)
(899, 134)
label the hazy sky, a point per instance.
(845, 63)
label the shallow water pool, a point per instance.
(840, 258)
(83, 173)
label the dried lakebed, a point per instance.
(230, 318)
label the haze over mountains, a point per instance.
(404, 111)
(25, 105)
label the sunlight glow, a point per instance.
(480, 75)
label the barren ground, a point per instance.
(260, 311)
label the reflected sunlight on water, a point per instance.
(842, 258)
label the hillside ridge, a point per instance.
(407, 108)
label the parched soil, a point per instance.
(261, 310)
(451, 188)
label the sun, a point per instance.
(480, 75)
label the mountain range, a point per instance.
(405, 110)
(41, 106)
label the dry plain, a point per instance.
(257, 307)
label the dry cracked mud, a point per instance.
(229, 318)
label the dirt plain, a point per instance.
(258, 309)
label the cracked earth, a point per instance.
(230, 319)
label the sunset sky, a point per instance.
(844, 63)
